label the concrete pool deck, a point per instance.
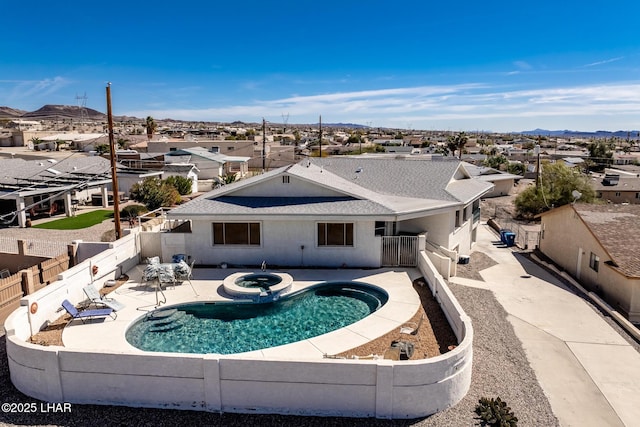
(139, 297)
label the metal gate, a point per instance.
(399, 251)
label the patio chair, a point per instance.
(88, 314)
(411, 328)
(95, 298)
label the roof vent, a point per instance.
(359, 170)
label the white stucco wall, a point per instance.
(281, 242)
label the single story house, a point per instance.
(211, 165)
(337, 211)
(503, 182)
(617, 188)
(598, 245)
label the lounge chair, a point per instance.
(411, 328)
(88, 314)
(95, 298)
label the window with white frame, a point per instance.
(335, 234)
(236, 233)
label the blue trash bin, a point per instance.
(503, 231)
(510, 239)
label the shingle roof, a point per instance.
(624, 184)
(617, 227)
(426, 179)
(286, 205)
(381, 187)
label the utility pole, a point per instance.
(320, 152)
(264, 139)
(114, 174)
(536, 151)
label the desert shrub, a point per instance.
(495, 413)
(133, 211)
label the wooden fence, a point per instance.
(29, 280)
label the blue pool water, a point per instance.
(227, 327)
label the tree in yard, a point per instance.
(516, 168)
(155, 193)
(556, 186)
(495, 161)
(102, 149)
(180, 183)
(457, 142)
(151, 127)
(601, 153)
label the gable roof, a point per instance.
(381, 187)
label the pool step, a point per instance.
(178, 322)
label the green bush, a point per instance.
(133, 211)
(495, 413)
(182, 184)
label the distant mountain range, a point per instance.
(52, 112)
(58, 112)
(577, 133)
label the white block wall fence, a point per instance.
(229, 383)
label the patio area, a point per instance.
(293, 378)
(140, 297)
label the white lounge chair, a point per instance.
(95, 298)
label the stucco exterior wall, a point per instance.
(501, 188)
(569, 243)
(282, 243)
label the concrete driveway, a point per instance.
(589, 372)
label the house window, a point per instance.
(594, 261)
(231, 148)
(464, 215)
(457, 218)
(637, 195)
(617, 194)
(236, 233)
(286, 179)
(335, 234)
(384, 228)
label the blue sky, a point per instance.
(496, 66)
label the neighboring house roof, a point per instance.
(623, 184)
(206, 154)
(617, 228)
(488, 174)
(179, 167)
(573, 161)
(363, 186)
(51, 171)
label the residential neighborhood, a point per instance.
(339, 202)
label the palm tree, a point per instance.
(151, 127)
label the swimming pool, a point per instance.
(232, 327)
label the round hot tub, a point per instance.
(257, 286)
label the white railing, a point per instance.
(399, 251)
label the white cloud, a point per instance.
(588, 106)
